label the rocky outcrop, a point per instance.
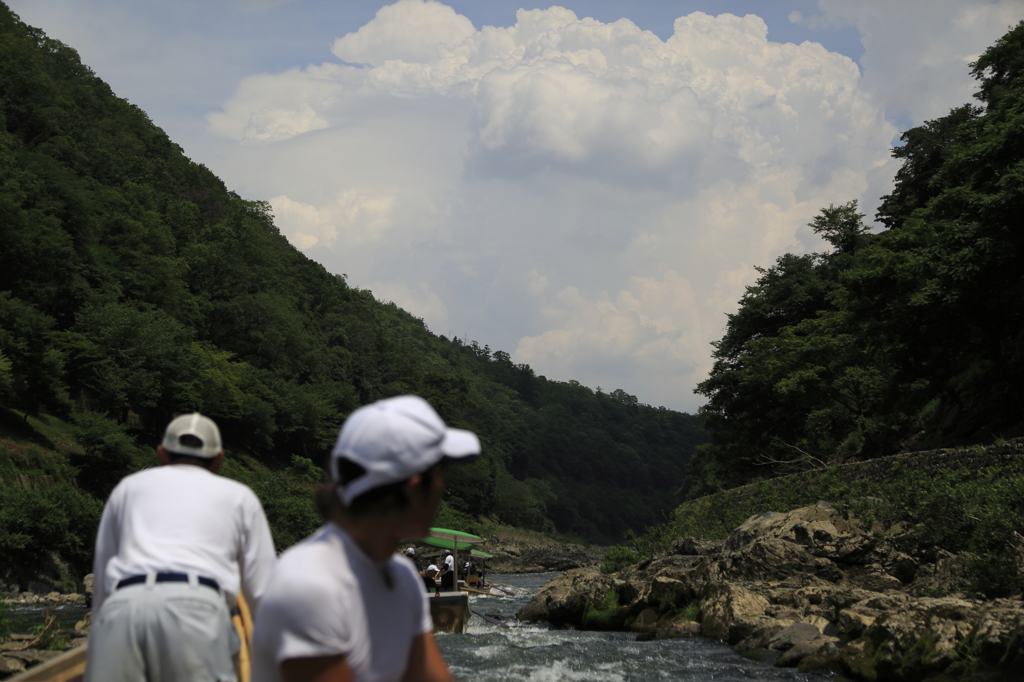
(808, 589)
(521, 557)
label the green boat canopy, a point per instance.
(482, 555)
(451, 539)
(444, 544)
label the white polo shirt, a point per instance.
(184, 518)
(327, 597)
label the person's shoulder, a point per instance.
(319, 550)
(228, 487)
(141, 478)
(408, 575)
(311, 572)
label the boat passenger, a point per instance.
(342, 605)
(429, 578)
(174, 545)
(448, 572)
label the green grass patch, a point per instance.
(617, 558)
(604, 614)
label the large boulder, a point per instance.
(821, 530)
(567, 599)
(730, 612)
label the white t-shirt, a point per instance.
(186, 519)
(449, 561)
(327, 597)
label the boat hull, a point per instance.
(450, 612)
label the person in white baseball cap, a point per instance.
(342, 604)
(174, 546)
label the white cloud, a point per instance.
(585, 194)
(917, 53)
(409, 30)
(416, 297)
(301, 223)
(357, 217)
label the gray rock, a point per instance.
(797, 633)
(693, 547)
(10, 665)
(820, 645)
(566, 599)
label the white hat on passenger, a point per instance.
(193, 435)
(393, 439)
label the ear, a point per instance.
(415, 481)
(162, 456)
(217, 462)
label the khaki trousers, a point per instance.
(164, 632)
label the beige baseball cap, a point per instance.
(193, 435)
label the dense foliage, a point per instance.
(908, 338)
(134, 286)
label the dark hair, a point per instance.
(205, 462)
(374, 502)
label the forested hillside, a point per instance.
(905, 339)
(134, 285)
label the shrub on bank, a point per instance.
(617, 558)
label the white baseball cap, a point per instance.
(203, 440)
(393, 439)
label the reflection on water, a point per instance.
(488, 653)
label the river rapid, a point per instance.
(528, 652)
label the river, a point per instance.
(534, 653)
(489, 653)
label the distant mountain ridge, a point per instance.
(134, 285)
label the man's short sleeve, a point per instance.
(292, 621)
(420, 602)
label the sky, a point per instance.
(586, 186)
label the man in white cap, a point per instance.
(342, 605)
(175, 544)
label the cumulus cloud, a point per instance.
(357, 217)
(917, 53)
(410, 30)
(583, 194)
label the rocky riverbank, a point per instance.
(510, 556)
(50, 637)
(809, 589)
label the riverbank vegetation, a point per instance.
(135, 286)
(966, 502)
